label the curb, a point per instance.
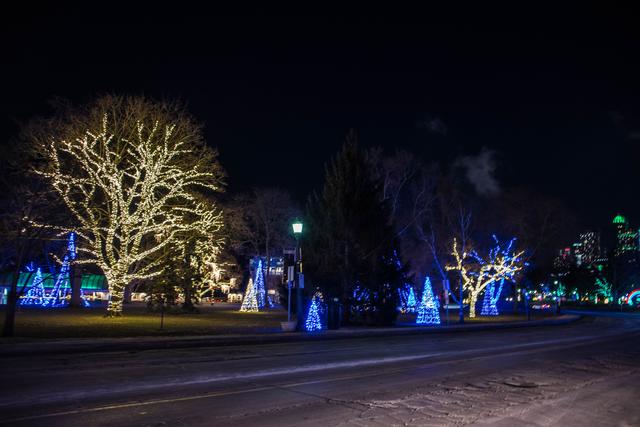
(138, 344)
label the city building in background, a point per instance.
(626, 237)
(589, 247)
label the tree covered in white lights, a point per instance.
(477, 273)
(250, 300)
(137, 178)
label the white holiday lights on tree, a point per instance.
(429, 307)
(476, 273)
(259, 286)
(133, 184)
(250, 300)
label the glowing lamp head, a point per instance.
(297, 227)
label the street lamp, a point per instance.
(299, 278)
(297, 228)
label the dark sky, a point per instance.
(554, 92)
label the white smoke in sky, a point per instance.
(480, 170)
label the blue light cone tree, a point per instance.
(35, 294)
(259, 286)
(411, 300)
(313, 322)
(407, 299)
(250, 301)
(428, 309)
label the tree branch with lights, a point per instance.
(138, 178)
(477, 273)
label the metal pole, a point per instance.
(461, 306)
(289, 301)
(299, 308)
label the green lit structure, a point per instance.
(93, 286)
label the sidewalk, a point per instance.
(90, 345)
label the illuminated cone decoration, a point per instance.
(428, 309)
(250, 302)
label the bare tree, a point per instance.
(25, 201)
(409, 189)
(261, 221)
(132, 173)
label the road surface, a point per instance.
(581, 374)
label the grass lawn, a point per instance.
(222, 318)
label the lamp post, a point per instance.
(298, 277)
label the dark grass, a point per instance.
(220, 319)
(91, 322)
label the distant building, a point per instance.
(589, 248)
(626, 237)
(582, 253)
(564, 260)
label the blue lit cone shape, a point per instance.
(411, 300)
(35, 294)
(428, 309)
(313, 322)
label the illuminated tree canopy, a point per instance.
(476, 273)
(137, 178)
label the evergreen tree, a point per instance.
(350, 240)
(428, 310)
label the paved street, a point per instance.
(580, 374)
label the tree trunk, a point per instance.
(266, 275)
(187, 290)
(116, 297)
(76, 285)
(127, 295)
(8, 330)
(473, 298)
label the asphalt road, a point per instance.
(581, 374)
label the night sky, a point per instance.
(554, 93)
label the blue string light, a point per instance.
(429, 308)
(407, 299)
(313, 322)
(35, 294)
(494, 289)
